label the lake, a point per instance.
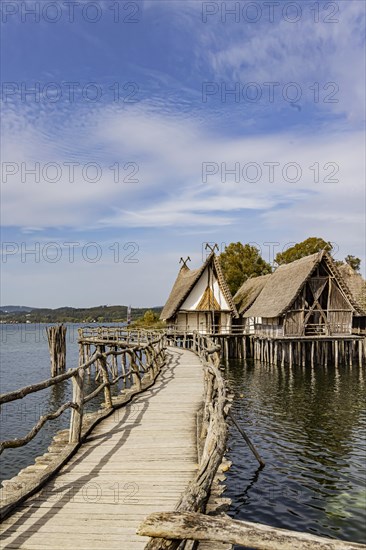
(308, 425)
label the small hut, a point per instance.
(245, 297)
(200, 300)
(357, 286)
(307, 297)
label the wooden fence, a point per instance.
(134, 364)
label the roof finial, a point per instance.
(212, 248)
(184, 262)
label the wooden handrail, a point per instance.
(199, 527)
(152, 345)
(212, 439)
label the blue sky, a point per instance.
(140, 153)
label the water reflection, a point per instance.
(308, 424)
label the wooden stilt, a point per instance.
(275, 353)
(350, 347)
(290, 354)
(57, 345)
(360, 353)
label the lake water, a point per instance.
(25, 359)
(309, 427)
(308, 424)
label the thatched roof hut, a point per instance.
(285, 284)
(306, 297)
(356, 284)
(202, 290)
(249, 291)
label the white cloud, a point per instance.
(304, 52)
(170, 152)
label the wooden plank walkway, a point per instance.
(135, 462)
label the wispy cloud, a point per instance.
(174, 150)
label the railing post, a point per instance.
(107, 390)
(135, 375)
(148, 361)
(76, 419)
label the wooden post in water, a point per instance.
(226, 349)
(336, 353)
(247, 440)
(57, 345)
(283, 354)
(350, 347)
(290, 353)
(360, 353)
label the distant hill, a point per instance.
(11, 309)
(97, 314)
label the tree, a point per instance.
(300, 250)
(354, 262)
(239, 262)
(149, 317)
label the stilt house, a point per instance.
(357, 286)
(245, 297)
(308, 297)
(200, 300)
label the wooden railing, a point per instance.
(273, 331)
(223, 529)
(212, 330)
(123, 334)
(132, 365)
(212, 435)
(138, 359)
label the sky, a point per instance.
(134, 132)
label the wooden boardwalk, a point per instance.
(137, 461)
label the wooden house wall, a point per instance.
(340, 313)
(270, 327)
(203, 321)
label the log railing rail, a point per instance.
(211, 438)
(152, 346)
(223, 529)
(212, 330)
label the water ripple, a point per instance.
(309, 426)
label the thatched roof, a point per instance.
(185, 282)
(285, 284)
(356, 284)
(249, 291)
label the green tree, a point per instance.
(239, 262)
(300, 250)
(354, 262)
(149, 317)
